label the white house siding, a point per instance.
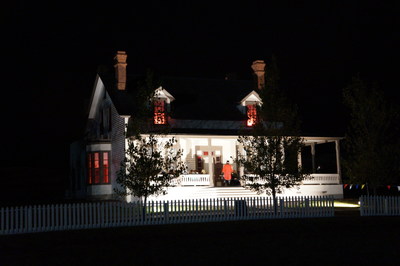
(97, 139)
(116, 140)
(118, 145)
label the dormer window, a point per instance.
(160, 117)
(248, 106)
(161, 101)
(251, 115)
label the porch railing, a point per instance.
(56, 217)
(322, 179)
(194, 180)
(317, 179)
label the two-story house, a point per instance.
(204, 115)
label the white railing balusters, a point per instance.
(194, 180)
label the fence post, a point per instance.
(281, 206)
(386, 209)
(29, 219)
(362, 205)
(2, 222)
(307, 207)
(166, 212)
(225, 210)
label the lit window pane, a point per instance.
(105, 167)
(159, 113)
(96, 168)
(251, 115)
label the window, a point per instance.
(199, 164)
(105, 122)
(98, 168)
(107, 119)
(251, 115)
(159, 113)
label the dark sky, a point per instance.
(51, 53)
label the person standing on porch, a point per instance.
(227, 172)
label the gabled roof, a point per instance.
(206, 99)
(253, 96)
(163, 93)
(194, 98)
(197, 102)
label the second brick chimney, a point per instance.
(120, 69)
(258, 67)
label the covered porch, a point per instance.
(205, 156)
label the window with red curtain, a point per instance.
(159, 113)
(98, 168)
(251, 115)
(105, 167)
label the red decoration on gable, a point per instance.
(159, 113)
(251, 115)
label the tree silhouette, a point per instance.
(271, 150)
(371, 141)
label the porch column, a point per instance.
(299, 161)
(178, 143)
(128, 198)
(240, 150)
(338, 160)
(210, 164)
(313, 156)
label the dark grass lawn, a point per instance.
(346, 239)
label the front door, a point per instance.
(209, 161)
(218, 180)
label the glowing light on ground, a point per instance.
(346, 204)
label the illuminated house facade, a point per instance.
(204, 115)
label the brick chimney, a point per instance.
(120, 69)
(258, 67)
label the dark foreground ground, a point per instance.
(346, 239)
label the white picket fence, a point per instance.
(379, 205)
(43, 218)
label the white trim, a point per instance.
(307, 140)
(95, 189)
(163, 93)
(99, 147)
(251, 97)
(98, 92)
(320, 140)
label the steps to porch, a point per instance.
(207, 192)
(175, 193)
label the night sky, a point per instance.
(51, 53)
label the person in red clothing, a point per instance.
(227, 172)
